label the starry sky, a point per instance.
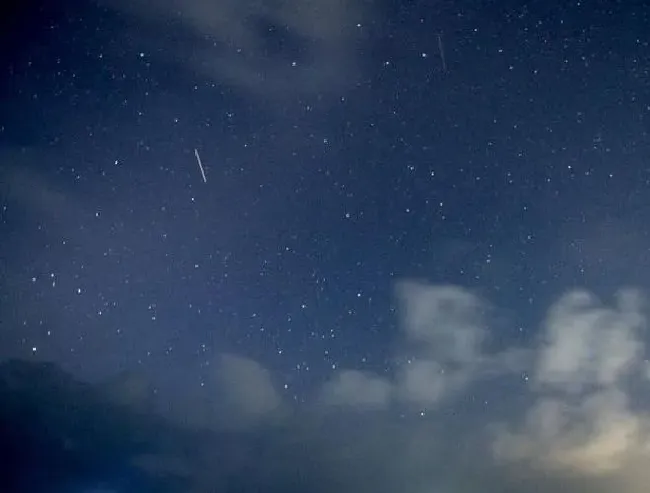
(432, 215)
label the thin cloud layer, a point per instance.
(270, 49)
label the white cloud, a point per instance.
(577, 428)
(444, 326)
(586, 344)
(441, 351)
(581, 420)
(446, 319)
(358, 389)
(246, 387)
(237, 393)
(593, 437)
(423, 381)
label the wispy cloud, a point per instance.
(270, 49)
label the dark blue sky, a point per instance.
(360, 191)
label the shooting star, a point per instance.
(442, 53)
(198, 160)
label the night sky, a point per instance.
(427, 222)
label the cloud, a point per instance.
(578, 428)
(237, 393)
(31, 190)
(446, 319)
(445, 327)
(357, 389)
(246, 388)
(587, 345)
(578, 425)
(274, 50)
(582, 419)
(441, 352)
(593, 437)
(131, 390)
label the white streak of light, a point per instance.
(198, 160)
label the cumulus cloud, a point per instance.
(595, 436)
(236, 393)
(246, 388)
(577, 427)
(443, 331)
(578, 424)
(446, 319)
(588, 345)
(583, 419)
